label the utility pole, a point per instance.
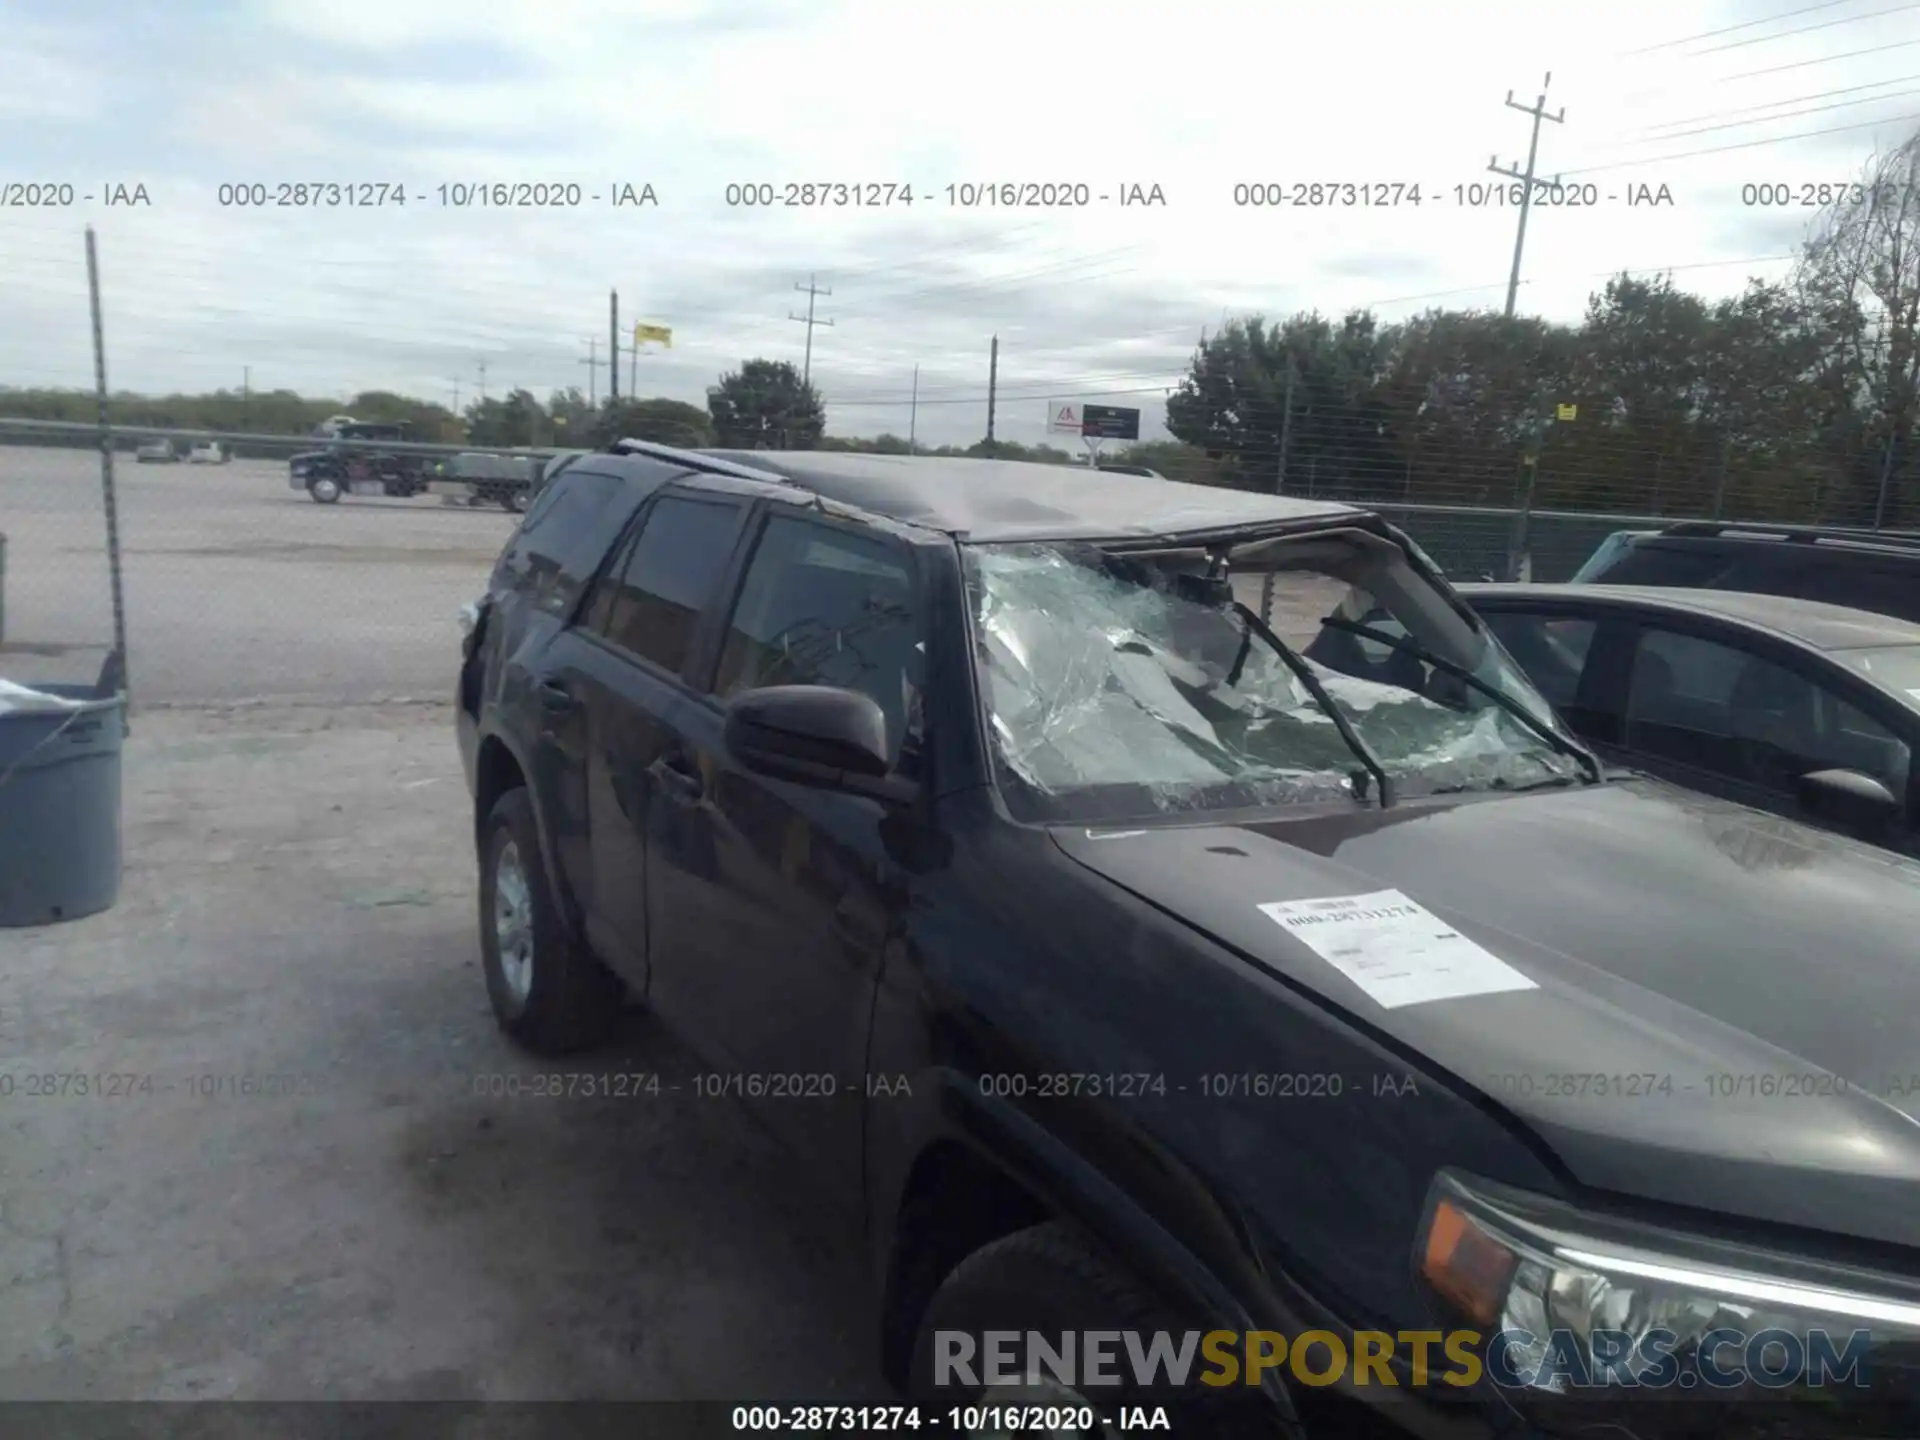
(246, 396)
(592, 362)
(483, 382)
(993, 387)
(1538, 110)
(456, 397)
(810, 290)
(913, 415)
(633, 369)
(613, 346)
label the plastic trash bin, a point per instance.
(59, 802)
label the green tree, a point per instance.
(662, 421)
(765, 405)
(517, 421)
(1859, 277)
(1235, 402)
(571, 418)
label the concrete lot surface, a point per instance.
(296, 1189)
(235, 585)
(246, 1149)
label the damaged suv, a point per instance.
(1182, 940)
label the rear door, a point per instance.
(531, 651)
(639, 634)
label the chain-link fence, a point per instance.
(239, 585)
(247, 575)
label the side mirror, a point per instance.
(1848, 798)
(814, 735)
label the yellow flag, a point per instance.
(1568, 412)
(643, 333)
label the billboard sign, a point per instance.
(1109, 422)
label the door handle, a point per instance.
(859, 924)
(554, 696)
(675, 772)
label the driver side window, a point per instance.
(1744, 717)
(825, 606)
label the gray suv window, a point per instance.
(825, 606)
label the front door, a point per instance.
(773, 902)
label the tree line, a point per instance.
(1796, 399)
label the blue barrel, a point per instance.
(59, 804)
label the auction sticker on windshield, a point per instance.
(1399, 952)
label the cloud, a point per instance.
(694, 97)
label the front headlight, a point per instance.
(1571, 1302)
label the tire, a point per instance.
(1052, 1279)
(324, 488)
(514, 502)
(551, 996)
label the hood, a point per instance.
(1687, 1000)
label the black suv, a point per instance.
(1286, 1011)
(1862, 570)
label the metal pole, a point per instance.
(106, 477)
(913, 415)
(1286, 430)
(1886, 474)
(993, 387)
(1720, 484)
(613, 346)
(633, 369)
(1279, 481)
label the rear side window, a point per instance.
(669, 578)
(564, 538)
(1666, 565)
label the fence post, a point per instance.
(118, 660)
(1886, 475)
(1720, 484)
(1279, 480)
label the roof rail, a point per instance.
(694, 460)
(1797, 534)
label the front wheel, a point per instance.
(324, 489)
(1052, 1280)
(514, 502)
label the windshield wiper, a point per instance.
(1304, 672)
(1577, 752)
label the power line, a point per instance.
(1823, 60)
(1743, 145)
(1729, 29)
(1783, 115)
(1795, 100)
(1804, 30)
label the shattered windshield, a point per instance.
(1118, 685)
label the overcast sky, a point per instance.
(1101, 303)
